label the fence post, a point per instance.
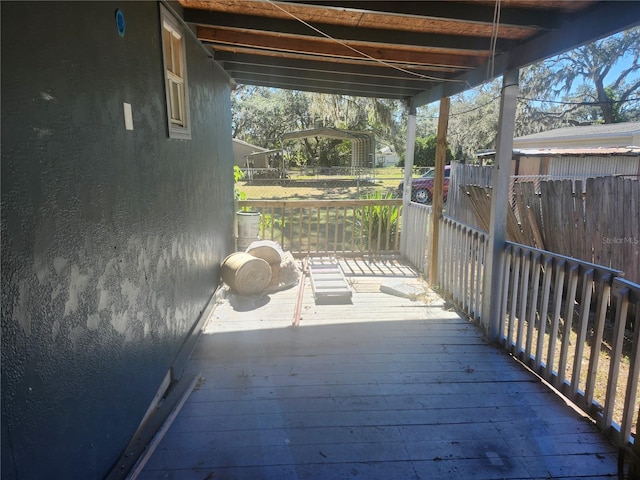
(408, 173)
(438, 181)
(492, 287)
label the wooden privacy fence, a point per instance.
(463, 175)
(330, 227)
(574, 323)
(594, 219)
(601, 225)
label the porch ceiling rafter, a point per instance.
(415, 51)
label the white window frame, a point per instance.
(175, 76)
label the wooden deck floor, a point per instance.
(385, 388)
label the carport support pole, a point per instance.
(493, 270)
(438, 182)
(408, 173)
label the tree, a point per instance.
(425, 152)
(262, 115)
(252, 107)
(587, 77)
(473, 121)
(583, 86)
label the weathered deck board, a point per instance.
(385, 388)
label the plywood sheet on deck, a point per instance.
(385, 388)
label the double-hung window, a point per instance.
(175, 73)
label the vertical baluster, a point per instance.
(629, 412)
(482, 243)
(524, 295)
(389, 209)
(448, 250)
(418, 227)
(326, 229)
(508, 259)
(455, 276)
(533, 306)
(370, 233)
(477, 285)
(336, 223)
(397, 226)
(463, 260)
(585, 302)
(555, 320)
(473, 255)
(318, 244)
(266, 233)
(616, 352)
(568, 323)
(466, 291)
(544, 311)
(361, 213)
(443, 259)
(515, 282)
(465, 272)
(354, 225)
(601, 311)
(291, 222)
(344, 230)
(299, 242)
(461, 254)
(283, 224)
(479, 274)
(309, 221)
(378, 239)
(426, 235)
(451, 260)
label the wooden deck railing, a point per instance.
(461, 265)
(330, 227)
(574, 323)
(416, 226)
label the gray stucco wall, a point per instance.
(111, 239)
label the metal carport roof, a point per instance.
(363, 143)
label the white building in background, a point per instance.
(241, 152)
(577, 152)
(386, 157)
(609, 135)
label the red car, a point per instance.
(422, 187)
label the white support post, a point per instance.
(492, 287)
(408, 171)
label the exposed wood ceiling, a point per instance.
(413, 50)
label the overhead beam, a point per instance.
(361, 67)
(409, 88)
(603, 19)
(445, 41)
(344, 88)
(227, 38)
(509, 15)
(323, 74)
(374, 17)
